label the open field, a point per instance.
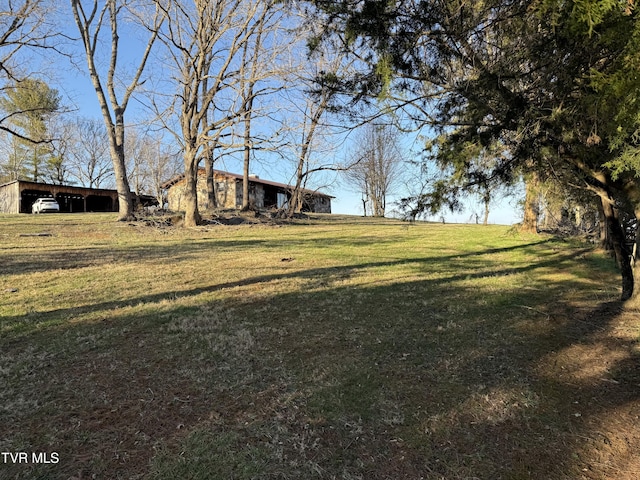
(331, 348)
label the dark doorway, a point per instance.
(97, 203)
(270, 197)
(70, 202)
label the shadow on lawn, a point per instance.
(16, 260)
(322, 276)
(533, 406)
(21, 259)
(425, 379)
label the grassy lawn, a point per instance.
(329, 348)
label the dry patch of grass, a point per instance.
(329, 347)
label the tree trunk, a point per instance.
(35, 164)
(605, 239)
(212, 201)
(530, 219)
(116, 145)
(615, 233)
(295, 203)
(633, 299)
(375, 208)
(125, 199)
(487, 202)
(246, 204)
(245, 186)
(191, 214)
(377, 200)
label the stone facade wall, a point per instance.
(229, 195)
(226, 192)
(322, 205)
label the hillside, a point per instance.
(327, 348)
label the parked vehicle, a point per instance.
(43, 205)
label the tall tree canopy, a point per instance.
(553, 85)
(24, 29)
(28, 105)
(98, 21)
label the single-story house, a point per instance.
(18, 197)
(263, 194)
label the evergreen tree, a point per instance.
(28, 105)
(554, 83)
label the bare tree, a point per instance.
(247, 83)
(91, 17)
(375, 166)
(313, 132)
(23, 27)
(205, 40)
(261, 73)
(89, 161)
(150, 163)
(139, 149)
(164, 164)
(57, 167)
(309, 103)
(312, 115)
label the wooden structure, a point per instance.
(263, 194)
(18, 197)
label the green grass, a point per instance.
(337, 347)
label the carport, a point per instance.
(18, 197)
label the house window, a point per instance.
(282, 200)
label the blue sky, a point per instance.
(75, 85)
(82, 97)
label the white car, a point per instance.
(43, 205)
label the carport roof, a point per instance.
(71, 189)
(52, 185)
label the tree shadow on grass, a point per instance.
(19, 260)
(436, 397)
(535, 406)
(470, 266)
(428, 378)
